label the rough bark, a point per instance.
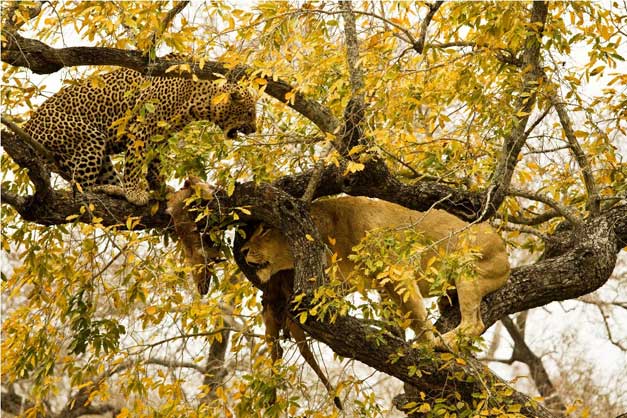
(579, 260)
(516, 138)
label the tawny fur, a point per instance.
(276, 296)
(199, 255)
(347, 219)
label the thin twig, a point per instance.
(526, 230)
(537, 220)
(27, 138)
(563, 210)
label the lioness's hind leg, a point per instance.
(414, 306)
(470, 292)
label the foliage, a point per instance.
(89, 307)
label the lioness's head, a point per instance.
(267, 251)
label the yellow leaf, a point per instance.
(446, 356)
(151, 310)
(353, 167)
(515, 408)
(425, 407)
(290, 97)
(219, 98)
(309, 237)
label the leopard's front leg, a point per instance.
(135, 183)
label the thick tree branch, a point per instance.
(24, 155)
(13, 199)
(215, 370)
(514, 141)
(351, 133)
(27, 138)
(13, 403)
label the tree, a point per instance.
(486, 110)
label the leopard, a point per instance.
(124, 111)
(345, 221)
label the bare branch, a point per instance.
(608, 330)
(588, 179)
(178, 8)
(526, 230)
(174, 364)
(592, 300)
(169, 17)
(537, 121)
(523, 353)
(537, 220)
(563, 210)
(420, 44)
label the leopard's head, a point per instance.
(233, 110)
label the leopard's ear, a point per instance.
(236, 96)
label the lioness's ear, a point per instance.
(263, 231)
(258, 232)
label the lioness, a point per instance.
(345, 222)
(200, 252)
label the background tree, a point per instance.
(512, 112)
